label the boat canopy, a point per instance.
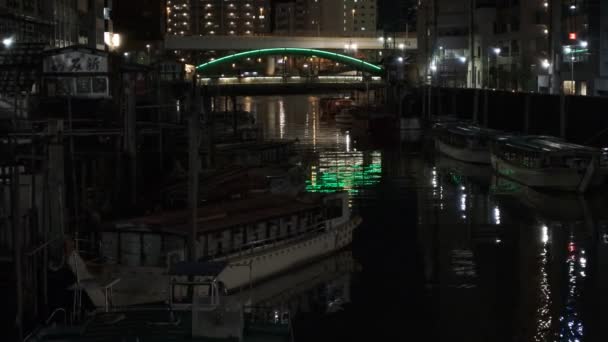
(546, 144)
(468, 130)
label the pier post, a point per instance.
(527, 114)
(454, 104)
(562, 116)
(193, 171)
(424, 114)
(485, 107)
(17, 241)
(439, 102)
(476, 106)
(429, 104)
(234, 116)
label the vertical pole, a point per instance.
(16, 225)
(486, 94)
(131, 141)
(562, 116)
(234, 117)
(75, 201)
(527, 114)
(429, 104)
(193, 170)
(476, 106)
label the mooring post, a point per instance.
(527, 114)
(562, 116)
(476, 106)
(486, 101)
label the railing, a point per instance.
(265, 244)
(290, 80)
(108, 289)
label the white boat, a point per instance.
(549, 162)
(257, 238)
(465, 142)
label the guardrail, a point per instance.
(290, 80)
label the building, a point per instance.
(59, 23)
(359, 17)
(508, 47)
(550, 46)
(325, 17)
(443, 41)
(298, 17)
(218, 17)
(580, 48)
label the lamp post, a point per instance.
(496, 51)
(570, 51)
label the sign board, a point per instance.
(75, 62)
(78, 73)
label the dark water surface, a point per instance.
(447, 252)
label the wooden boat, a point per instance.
(549, 162)
(465, 142)
(344, 119)
(330, 107)
(256, 238)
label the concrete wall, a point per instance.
(585, 116)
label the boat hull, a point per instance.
(145, 285)
(476, 156)
(282, 258)
(562, 179)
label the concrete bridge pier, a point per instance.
(271, 65)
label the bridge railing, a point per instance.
(288, 80)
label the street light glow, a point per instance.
(545, 64)
(7, 42)
(567, 49)
(584, 43)
(497, 51)
(462, 59)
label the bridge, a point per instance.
(358, 64)
(265, 85)
(241, 43)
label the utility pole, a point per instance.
(194, 166)
(473, 74)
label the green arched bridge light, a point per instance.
(348, 60)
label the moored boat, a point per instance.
(549, 162)
(465, 142)
(256, 238)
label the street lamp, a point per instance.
(8, 42)
(570, 51)
(496, 51)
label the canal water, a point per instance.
(447, 251)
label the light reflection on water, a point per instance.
(499, 255)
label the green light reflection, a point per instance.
(345, 172)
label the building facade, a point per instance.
(548, 46)
(359, 17)
(580, 47)
(59, 23)
(326, 17)
(218, 17)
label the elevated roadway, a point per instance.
(241, 43)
